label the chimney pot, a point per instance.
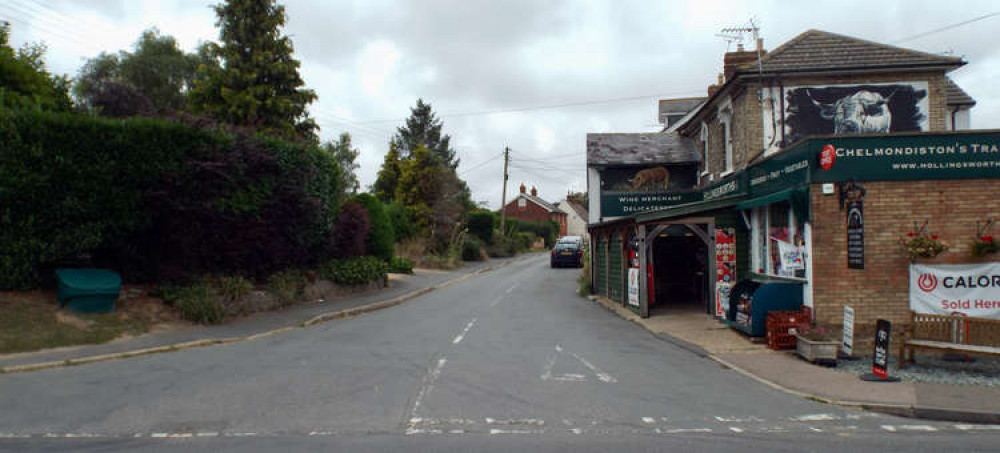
(523, 189)
(534, 191)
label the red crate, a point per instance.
(779, 341)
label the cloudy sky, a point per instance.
(536, 76)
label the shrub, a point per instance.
(380, 234)
(472, 250)
(400, 265)
(481, 225)
(350, 231)
(288, 286)
(501, 247)
(401, 218)
(523, 241)
(232, 287)
(355, 271)
(196, 303)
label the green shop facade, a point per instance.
(790, 230)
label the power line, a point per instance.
(547, 107)
(473, 167)
(946, 27)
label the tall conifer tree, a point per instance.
(258, 84)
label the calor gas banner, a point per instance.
(950, 289)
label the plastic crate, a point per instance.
(778, 341)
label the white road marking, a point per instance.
(181, 435)
(965, 427)
(738, 419)
(889, 428)
(648, 420)
(511, 289)
(158, 435)
(496, 301)
(570, 378)
(208, 434)
(735, 429)
(689, 430)
(547, 371)
(456, 431)
(604, 377)
(925, 428)
(815, 430)
(429, 380)
(522, 421)
(461, 336)
(816, 418)
(514, 431)
(576, 431)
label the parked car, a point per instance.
(567, 254)
(571, 239)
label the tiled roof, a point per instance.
(579, 208)
(819, 50)
(679, 106)
(638, 149)
(540, 202)
(956, 95)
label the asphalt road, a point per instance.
(510, 359)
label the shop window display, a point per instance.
(779, 241)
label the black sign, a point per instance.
(856, 235)
(880, 363)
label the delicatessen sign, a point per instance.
(948, 289)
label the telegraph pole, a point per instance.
(503, 197)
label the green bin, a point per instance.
(88, 290)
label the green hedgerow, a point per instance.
(355, 271)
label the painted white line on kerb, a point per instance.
(461, 336)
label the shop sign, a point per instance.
(847, 342)
(856, 234)
(731, 187)
(880, 362)
(725, 268)
(787, 169)
(945, 156)
(956, 289)
(626, 204)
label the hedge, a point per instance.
(158, 199)
(381, 236)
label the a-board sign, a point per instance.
(880, 363)
(847, 344)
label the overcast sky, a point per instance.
(533, 75)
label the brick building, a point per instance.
(529, 207)
(791, 144)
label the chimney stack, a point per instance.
(523, 189)
(534, 191)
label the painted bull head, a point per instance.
(860, 112)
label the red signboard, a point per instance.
(826, 157)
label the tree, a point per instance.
(388, 176)
(258, 84)
(346, 155)
(155, 78)
(424, 128)
(24, 79)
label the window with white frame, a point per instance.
(778, 241)
(725, 114)
(704, 152)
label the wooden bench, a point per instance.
(957, 334)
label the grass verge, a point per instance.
(33, 325)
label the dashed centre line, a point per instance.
(461, 336)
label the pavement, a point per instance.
(702, 334)
(259, 325)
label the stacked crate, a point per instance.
(783, 325)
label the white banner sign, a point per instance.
(633, 286)
(847, 345)
(946, 289)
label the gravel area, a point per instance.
(982, 371)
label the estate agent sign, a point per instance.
(948, 289)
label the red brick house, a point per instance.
(531, 208)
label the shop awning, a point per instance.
(798, 197)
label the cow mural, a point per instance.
(651, 178)
(854, 109)
(859, 113)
